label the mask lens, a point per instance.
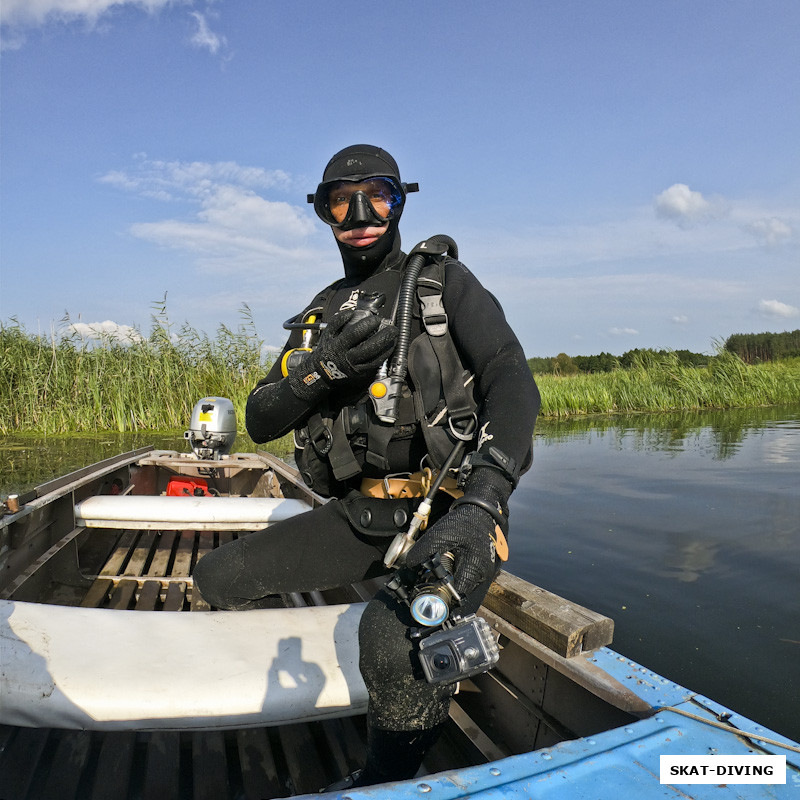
(383, 194)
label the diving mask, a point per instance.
(360, 202)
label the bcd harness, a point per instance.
(340, 439)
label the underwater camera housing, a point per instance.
(464, 645)
(212, 430)
(461, 649)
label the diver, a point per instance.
(403, 391)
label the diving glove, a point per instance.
(468, 531)
(344, 353)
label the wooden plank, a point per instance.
(561, 625)
(259, 775)
(346, 746)
(97, 594)
(19, 761)
(162, 767)
(112, 777)
(67, 765)
(141, 553)
(123, 595)
(182, 566)
(302, 759)
(159, 566)
(580, 669)
(120, 555)
(205, 544)
(176, 594)
(210, 767)
(149, 596)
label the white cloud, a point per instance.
(623, 331)
(18, 16)
(108, 330)
(31, 13)
(684, 205)
(680, 319)
(204, 37)
(771, 231)
(777, 310)
(233, 228)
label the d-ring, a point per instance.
(326, 448)
(470, 435)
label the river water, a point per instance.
(683, 528)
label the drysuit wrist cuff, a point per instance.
(492, 459)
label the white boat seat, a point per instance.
(100, 669)
(185, 513)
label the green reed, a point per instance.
(65, 384)
(61, 384)
(659, 382)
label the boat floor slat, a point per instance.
(149, 596)
(114, 765)
(19, 761)
(161, 779)
(210, 766)
(302, 760)
(67, 766)
(259, 773)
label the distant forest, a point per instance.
(752, 348)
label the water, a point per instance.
(684, 528)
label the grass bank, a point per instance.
(65, 384)
(662, 383)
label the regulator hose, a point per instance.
(436, 245)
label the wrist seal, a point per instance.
(495, 459)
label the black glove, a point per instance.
(344, 353)
(468, 531)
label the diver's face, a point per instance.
(361, 237)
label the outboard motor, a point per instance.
(213, 428)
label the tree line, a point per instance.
(755, 347)
(752, 348)
(562, 364)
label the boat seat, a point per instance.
(185, 513)
(100, 669)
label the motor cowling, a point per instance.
(212, 430)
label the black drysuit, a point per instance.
(327, 547)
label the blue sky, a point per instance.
(619, 174)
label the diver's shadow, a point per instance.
(291, 680)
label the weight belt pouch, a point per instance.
(379, 518)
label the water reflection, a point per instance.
(27, 460)
(685, 529)
(719, 433)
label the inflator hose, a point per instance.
(405, 304)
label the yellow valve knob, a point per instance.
(378, 390)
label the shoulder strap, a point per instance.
(430, 290)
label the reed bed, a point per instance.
(66, 384)
(661, 383)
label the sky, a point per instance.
(618, 173)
